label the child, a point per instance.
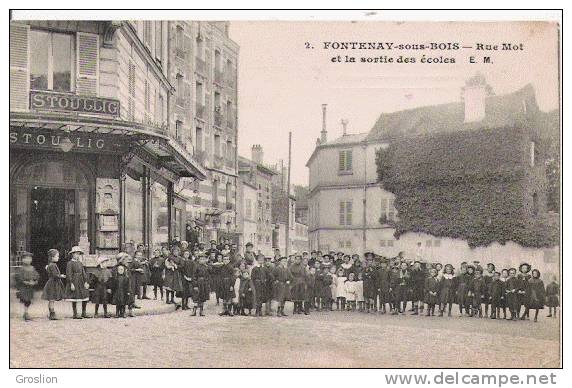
(156, 267)
(340, 290)
(503, 302)
(418, 276)
(512, 286)
(347, 265)
(552, 297)
(171, 280)
(403, 286)
(369, 284)
(478, 289)
(298, 290)
(469, 294)
(431, 291)
(200, 283)
(246, 293)
(282, 278)
(394, 279)
(258, 276)
(26, 278)
(383, 285)
(226, 286)
(488, 276)
(496, 295)
(121, 290)
(360, 300)
(524, 291)
(269, 268)
(77, 287)
(137, 274)
(101, 287)
(332, 297)
(350, 292)
(319, 286)
(536, 292)
(447, 290)
(310, 289)
(187, 268)
(461, 287)
(54, 288)
(215, 267)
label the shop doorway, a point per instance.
(52, 223)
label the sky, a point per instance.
(282, 83)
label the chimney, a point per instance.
(257, 154)
(324, 133)
(474, 94)
(344, 126)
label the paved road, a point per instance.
(333, 339)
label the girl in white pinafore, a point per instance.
(341, 290)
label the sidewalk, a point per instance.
(39, 307)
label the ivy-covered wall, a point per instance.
(473, 185)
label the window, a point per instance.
(180, 90)
(387, 210)
(228, 193)
(159, 107)
(159, 40)
(199, 139)
(179, 40)
(53, 61)
(217, 60)
(437, 243)
(200, 94)
(178, 128)
(428, 243)
(229, 118)
(229, 153)
(248, 207)
(147, 32)
(345, 161)
(346, 213)
(199, 44)
(159, 215)
(217, 145)
(215, 193)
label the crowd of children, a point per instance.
(252, 284)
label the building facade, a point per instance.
(349, 210)
(253, 173)
(204, 74)
(94, 158)
(247, 223)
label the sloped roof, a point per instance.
(347, 139)
(500, 111)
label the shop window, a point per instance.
(133, 211)
(53, 61)
(159, 215)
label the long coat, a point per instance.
(496, 293)
(431, 290)
(76, 275)
(246, 299)
(100, 282)
(121, 289)
(383, 284)
(369, 283)
(447, 290)
(298, 289)
(54, 287)
(156, 268)
(226, 291)
(553, 295)
(200, 283)
(537, 294)
(511, 290)
(282, 279)
(259, 280)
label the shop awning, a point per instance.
(154, 140)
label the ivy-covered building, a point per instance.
(452, 182)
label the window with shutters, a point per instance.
(52, 61)
(345, 162)
(159, 41)
(199, 139)
(159, 107)
(178, 128)
(180, 42)
(388, 212)
(180, 90)
(147, 33)
(131, 90)
(217, 145)
(346, 213)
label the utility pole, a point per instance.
(288, 195)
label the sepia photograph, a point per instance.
(358, 190)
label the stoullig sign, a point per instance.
(71, 103)
(76, 141)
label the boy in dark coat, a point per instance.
(298, 290)
(512, 287)
(269, 268)
(156, 267)
(382, 276)
(418, 277)
(537, 293)
(101, 280)
(394, 283)
(496, 295)
(246, 293)
(121, 290)
(200, 282)
(524, 291)
(431, 291)
(187, 268)
(282, 279)
(227, 286)
(552, 297)
(478, 289)
(258, 277)
(310, 289)
(370, 284)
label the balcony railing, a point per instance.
(201, 66)
(200, 111)
(218, 118)
(218, 77)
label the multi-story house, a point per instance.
(350, 211)
(94, 158)
(254, 173)
(204, 74)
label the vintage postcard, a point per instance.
(209, 192)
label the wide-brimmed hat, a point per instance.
(76, 249)
(120, 256)
(102, 259)
(527, 266)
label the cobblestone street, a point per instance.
(333, 339)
